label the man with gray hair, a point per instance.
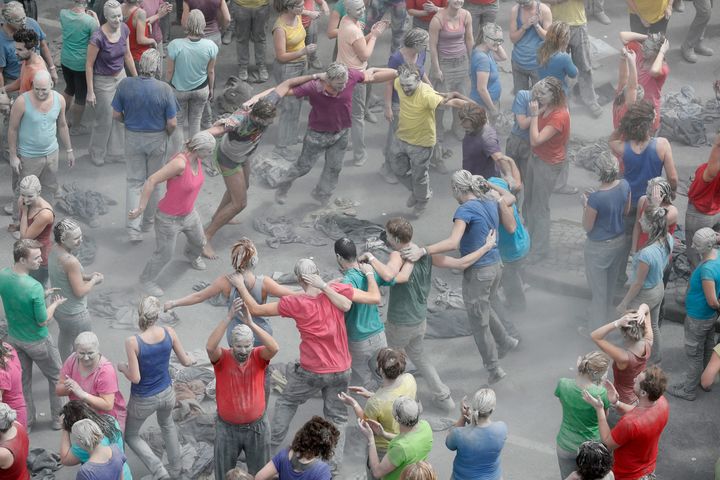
(325, 361)
(148, 108)
(242, 423)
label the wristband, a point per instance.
(324, 286)
(53, 67)
(314, 76)
(424, 250)
(369, 274)
(615, 323)
(69, 150)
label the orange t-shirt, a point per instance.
(27, 74)
(553, 151)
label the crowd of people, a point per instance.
(150, 96)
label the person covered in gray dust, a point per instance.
(36, 221)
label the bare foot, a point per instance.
(234, 221)
(208, 252)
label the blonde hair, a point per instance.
(30, 183)
(465, 182)
(482, 404)
(594, 365)
(195, 23)
(148, 312)
(243, 255)
(704, 240)
(86, 434)
(558, 34)
(419, 471)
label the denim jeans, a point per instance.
(357, 131)
(455, 79)
(70, 326)
(653, 298)
(699, 343)
(580, 51)
(138, 410)
(696, 32)
(192, 105)
(364, 360)
(523, 79)
(45, 355)
(167, 229)
(146, 153)
(603, 260)
(540, 185)
(289, 106)
(566, 462)
(108, 134)
(411, 339)
(250, 24)
(410, 164)
(512, 285)
(694, 221)
(333, 144)
(231, 439)
(482, 14)
(301, 386)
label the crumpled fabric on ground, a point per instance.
(193, 422)
(338, 226)
(585, 154)
(117, 306)
(234, 94)
(282, 230)
(87, 250)
(211, 389)
(218, 300)
(682, 118)
(270, 170)
(446, 299)
(188, 374)
(204, 461)
(447, 316)
(192, 390)
(85, 205)
(42, 463)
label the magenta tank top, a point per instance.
(182, 191)
(451, 43)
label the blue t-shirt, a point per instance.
(512, 246)
(521, 106)
(363, 321)
(484, 62)
(696, 304)
(146, 103)
(396, 59)
(110, 470)
(610, 207)
(319, 470)
(654, 256)
(191, 59)
(560, 66)
(84, 456)
(478, 451)
(481, 216)
(8, 60)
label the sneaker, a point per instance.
(445, 403)
(135, 237)
(680, 392)
(152, 288)
(370, 117)
(411, 201)
(79, 130)
(227, 37)
(496, 375)
(701, 49)
(263, 73)
(596, 110)
(243, 73)
(688, 54)
(98, 162)
(323, 200)
(388, 176)
(510, 346)
(602, 18)
(198, 264)
(8, 208)
(566, 190)
(419, 209)
(359, 162)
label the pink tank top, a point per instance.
(451, 42)
(624, 379)
(182, 191)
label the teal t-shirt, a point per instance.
(76, 31)
(408, 301)
(696, 304)
(191, 59)
(340, 8)
(411, 447)
(84, 456)
(579, 422)
(362, 321)
(23, 299)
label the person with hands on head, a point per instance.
(36, 221)
(242, 424)
(628, 89)
(529, 21)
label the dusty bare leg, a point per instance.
(233, 202)
(68, 105)
(246, 173)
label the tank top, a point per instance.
(44, 237)
(135, 48)
(451, 42)
(59, 279)
(19, 447)
(153, 360)
(524, 52)
(624, 379)
(256, 293)
(182, 191)
(294, 36)
(640, 168)
(37, 136)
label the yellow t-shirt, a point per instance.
(571, 12)
(416, 124)
(379, 406)
(652, 11)
(252, 3)
(294, 36)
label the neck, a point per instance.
(112, 28)
(583, 381)
(64, 248)
(711, 255)
(451, 11)
(406, 429)
(288, 16)
(194, 37)
(644, 402)
(467, 197)
(482, 421)
(20, 268)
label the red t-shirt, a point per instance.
(553, 151)
(240, 387)
(323, 337)
(652, 85)
(418, 5)
(19, 447)
(638, 433)
(705, 196)
(619, 112)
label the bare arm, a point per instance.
(80, 287)
(515, 32)
(132, 369)
(445, 261)
(668, 164)
(627, 37)
(589, 217)
(169, 70)
(211, 75)
(129, 62)
(632, 81)
(280, 44)
(66, 456)
(220, 285)
(636, 226)
(186, 13)
(434, 31)
(452, 242)
(711, 371)
(481, 82)
(640, 276)
(711, 298)
(173, 168)
(713, 164)
(183, 357)
(92, 52)
(212, 347)
(224, 18)
(140, 27)
(257, 310)
(64, 132)
(387, 271)
(372, 296)
(271, 288)
(333, 24)
(469, 39)
(16, 113)
(42, 220)
(539, 137)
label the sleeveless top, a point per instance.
(182, 191)
(135, 48)
(59, 279)
(256, 294)
(153, 360)
(451, 42)
(37, 136)
(640, 168)
(524, 52)
(19, 447)
(44, 236)
(294, 36)
(624, 379)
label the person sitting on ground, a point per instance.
(72, 453)
(36, 221)
(477, 439)
(11, 382)
(14, 446)
(104, 461)
(90, 377)
(419, 471)
(594, 462)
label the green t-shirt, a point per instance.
(76, 31)
(579, 422)
(23, 298)
(362, 321)
(409, 448)
(379, 406)
(408, 301)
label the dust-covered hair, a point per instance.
(638, 121)
(148, 312)
(421, 470)
(264, 109)
(654, 383)
(594, 461)
(556, 38)
(473, 114)
(406, 411)
(482, 404)
(489, 30)
(28, 37)
(14, 13)
(149, 62)
(416, 38)
(634, 331)
(651, 46)
(656, 220)
(408, 69)
(317, 438)
(243, 255)
(400, 228)
(391, 362)
(86, 434)
(7, 416)
(203, 140)
(30, 183)
(663, 185)
(704, 240)
(594, 365)
(64, 226)
(86, 338)
(242, 332)
(465, 182)
(607, 166)
(195, 23)
(336, 70)
(554, 88)
(22, 247)
(109, 6)
(305, 266)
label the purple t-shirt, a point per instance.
(110, 470)
(328, 113)
(477, 151)
(210, 9)
(397, 59)
(111, 57)
(319, 470)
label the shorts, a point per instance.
(75, 84)
(229, 166)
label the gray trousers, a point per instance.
(289, 106)
(482, 14)
(566, 462)
(108, 134)
(138, 410)
(333, 144)
(523, 79)
(518, 149)
(653, 298)
(594, 6)
(387, 151)
(603, 260)
(398, 14)
(512, 285)
(250, 24)
(539, 188)
(192, 105)
(455, 79)
(699, 343)
(45, 355)
(167, 229)
(231, 439)
(696, 32)
(694, 221)
(364, 360)
(70, 326)
(410, 164)
(301, 386)
(146, 153)
(45, 168)
(580, 52)
(357, 131)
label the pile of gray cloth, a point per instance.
(85, 205)
(234, 94)
(269, 170)
(447, 316)
(43, 464)
(117, 306)
(87, 250)
(585, 154)
(338, 226)
(682, 118)
(282, 230)
(218, 300)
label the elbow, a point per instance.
(346, 306)
(376, 298)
